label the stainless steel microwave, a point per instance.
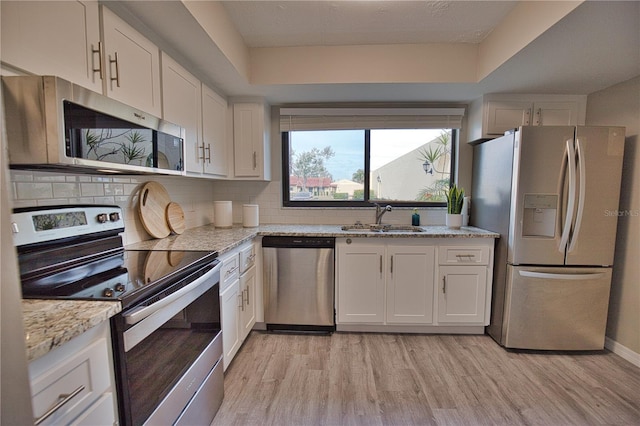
(52, 123)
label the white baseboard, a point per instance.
(622, 351)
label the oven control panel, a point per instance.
(108, 289)
(41, 224)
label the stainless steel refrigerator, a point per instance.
(552, 193)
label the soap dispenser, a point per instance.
(415, 218)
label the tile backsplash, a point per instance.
(196, 196)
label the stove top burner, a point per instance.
(76, 252)
(125, 277)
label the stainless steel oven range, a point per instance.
(167, 341)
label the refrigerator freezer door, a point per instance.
(539, 195)
(599, 168)
(556, 308)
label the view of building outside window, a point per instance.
(405, 165)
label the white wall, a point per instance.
(619, 105)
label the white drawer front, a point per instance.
(247, 257)
(88, 369)
(463, 255)
(230, 270)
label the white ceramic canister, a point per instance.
(222, 214)
(250, 215)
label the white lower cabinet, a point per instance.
(238, 298)
(74, 384)
(230, 302)
(462, 294)
(384, 283)
(410, 284)
(360, 277)
(413, 284)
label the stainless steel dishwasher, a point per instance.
(299, 283)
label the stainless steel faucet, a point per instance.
(381, 211)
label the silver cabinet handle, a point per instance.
(64, 398)
(444, 284)
(100, 69)
(462, 257)
(247, 291)
(201, 148)
(115, 61)
(208, 149)
(392, 264)
(255, 160)
(241, 301)
(380, 264)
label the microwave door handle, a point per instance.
(138, 314)
(582, 175)
(566, 227)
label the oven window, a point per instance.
(156, 364)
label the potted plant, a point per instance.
(455, 198)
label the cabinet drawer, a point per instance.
(247, 257)
(86, 372)
(463, 255)
(230, 270)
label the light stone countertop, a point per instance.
(210, 238)
(49, 324)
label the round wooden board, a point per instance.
(175, 218)
(152, 206)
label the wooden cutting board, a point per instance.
(175, 218)
(152, 206)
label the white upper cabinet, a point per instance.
(59, 38)
(251, 141)
(181, 100)
(202, 113)
(63, 38)
(492, 115)
(132, 65)
(214, 133)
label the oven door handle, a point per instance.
(138, 314)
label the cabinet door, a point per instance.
(230, 305)
(132, 65)
(53, 38)
(410, 284)
(360, 283)
(181, 105)
(555, 114)
(248, 139)
(214, 133)
(248, 310)
(505, 115)
(462, 294)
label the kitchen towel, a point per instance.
(250, 215)
(222, 214)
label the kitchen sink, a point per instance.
(382, 228)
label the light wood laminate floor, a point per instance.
(387, 379)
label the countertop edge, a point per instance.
(50, 323)
(210, 238)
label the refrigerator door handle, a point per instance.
(552, 276)
(571, 202)
(581, 194)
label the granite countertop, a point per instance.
(210, 238)
(49, 324)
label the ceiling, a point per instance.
(331, 23)
(592, 46)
